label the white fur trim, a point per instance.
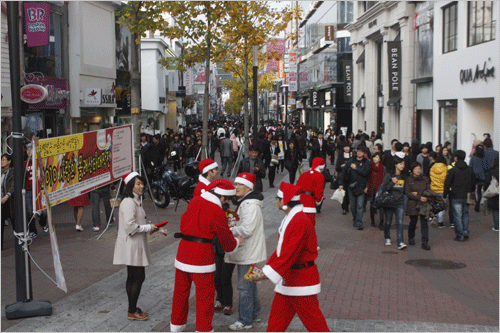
(203, 180)
(279, 194)
(309, 210)
(209, 167)
(212, 198)
(194, 269)
(295, 198)
(320, 167)
(284, 224)
(177, 328)
(130, 176)
(297, 291)
(272, 274)
(244, 181)
(224, 192)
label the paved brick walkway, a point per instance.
(366, 286)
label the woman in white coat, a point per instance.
(131, 247)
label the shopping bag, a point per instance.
(301, 170)
(255, 274)
(338, 195)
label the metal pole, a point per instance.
(29, 294)
(17, 138)
(286, 114)
(255, 105)
(24, 307)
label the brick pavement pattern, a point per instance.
(366, 286)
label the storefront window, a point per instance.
(47, 59)
(448, 125)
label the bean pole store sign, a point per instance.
(49, 93)
(77, 164)
(394, 69)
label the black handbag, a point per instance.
(356, 189)
(334, 184)
(386, 200)
(437, 205)
(328, 176)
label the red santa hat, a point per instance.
(222, 187)
(246, 179)
(289, 192)
(318, 164)
(206, 165)
(130, 176)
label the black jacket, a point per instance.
(317, 150)
(245, 167)
(213, 143)
(360, 174)
(292, 163)
(459, 181)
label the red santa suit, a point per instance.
(195, 260)
(292, 268)
(313, 186)
(204, 166)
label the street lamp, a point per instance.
(255, 106)
(380, 100)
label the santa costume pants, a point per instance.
(285, 307)
(205, 293)
(312, 217)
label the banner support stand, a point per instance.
(112, 209)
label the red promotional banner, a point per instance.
(77, 164)
(37, 23)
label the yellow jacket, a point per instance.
(438, 175)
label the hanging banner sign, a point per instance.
(348, 81)
(37, 24)
(394, 49)
(292, 86)
(281, 69)
(77, 164)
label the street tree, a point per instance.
(249, 23)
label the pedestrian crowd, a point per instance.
(421, 181)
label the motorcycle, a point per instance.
(168, 185)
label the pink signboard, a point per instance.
(57, 93)
(37, 24)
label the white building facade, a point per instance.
(466, 83)
(92, 64)
(383, 67)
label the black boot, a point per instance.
(372, 217)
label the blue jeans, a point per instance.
(399, 212)
(405, 198)
(357, 204)
(461, 216)
(495, 218)
(440, 215)
(249, 307)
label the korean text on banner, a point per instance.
(37, 23)
(77, 164)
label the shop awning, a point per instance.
(393, 101)
(361, 58)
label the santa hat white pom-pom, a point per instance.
(285, 207)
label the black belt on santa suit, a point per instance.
(305, 265)
(307, 193)
(192, 238)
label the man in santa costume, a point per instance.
(313, 186)
(203, 220)
(292, 269)
(209, 171)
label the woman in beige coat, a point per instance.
(131, 246)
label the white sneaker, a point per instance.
(237, 326)
(494, 229)
(79, 228)
(387, 241)
(45, 229)
(401, 246)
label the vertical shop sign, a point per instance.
(394, 49)
(37, 24)
(348, 81)
(281, 69)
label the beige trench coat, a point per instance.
(131, 247)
